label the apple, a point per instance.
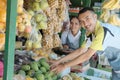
(28, 44)
(42, 25)
(28, 29)
(36, 6)
(38, 17)
(36, 45)
(31, 12)
(44, 4)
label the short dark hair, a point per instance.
(86, 9)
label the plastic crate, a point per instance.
(96, 74)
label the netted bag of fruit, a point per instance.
(61, 14)
(41, 20)
(20, 6)
(50, 28)
(53, 3)
(23, 23)
(48, 12)
(61, 9)
(56, 41)
(58, 26)
(34, 41)
(47, 42)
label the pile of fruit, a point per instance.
(72, 76)
(37, 70)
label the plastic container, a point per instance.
(96, 74)
(65, 72)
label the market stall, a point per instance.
(30, 37)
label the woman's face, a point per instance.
(74, 25)
(88, 20)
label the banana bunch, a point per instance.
(111, 4)
(105, 15)
(114, 20)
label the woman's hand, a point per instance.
(54, 63)
(59, 68)
(66, 47)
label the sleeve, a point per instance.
(98, 40)
(64, 37)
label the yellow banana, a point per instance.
(105, 15)
(114, 20)
(107, 4)
(115, 5)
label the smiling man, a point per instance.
(106, 41)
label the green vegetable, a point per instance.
(40, 77)
(21, 72)
(43, 69)
(25, 67)
(34, 66)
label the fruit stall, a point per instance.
(30, 31)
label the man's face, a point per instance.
(88, 20)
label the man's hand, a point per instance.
(54, 63)
(59, 68)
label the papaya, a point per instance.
(38, 64)
(42, 60)
(40, 77)
(37, 72)
(49, 78)
(25, 67)
(46, 65)
(21, 72)
(34, 66)
(31, 73)
(43, 69)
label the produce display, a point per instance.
(40, 22)
(2, 22)
(47, 42)
(72, 76)
(111, 4)
(107, 7)
(56, 40)
(37, 70)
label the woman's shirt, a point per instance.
(69, 39)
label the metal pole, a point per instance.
(10, 39)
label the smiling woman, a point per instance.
(70, 38)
